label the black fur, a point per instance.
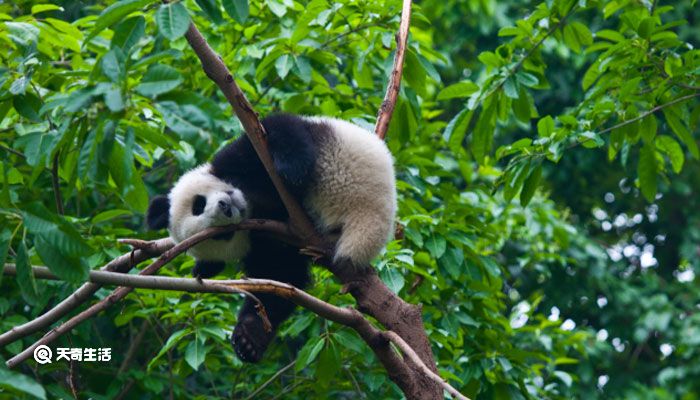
(158, 214)
(293, 145)
(198, 205)
(207, 269)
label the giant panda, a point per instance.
(343, 176)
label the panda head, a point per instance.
(197, 201)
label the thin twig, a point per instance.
(392, 90)
(272, 379)
(11, 150)
(135, 344)
(641, 116)
(55, 183)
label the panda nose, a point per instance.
(225, 207)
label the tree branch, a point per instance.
(121, 292)
(56, 185)
(124, 263)
(350, 317)
(392, 90)
(408, 351)
(217, 71)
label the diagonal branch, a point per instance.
(392, 89)
(217, 71)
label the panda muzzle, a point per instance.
(225, 207)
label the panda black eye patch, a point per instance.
(198, 204)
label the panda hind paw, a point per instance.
(250, 339)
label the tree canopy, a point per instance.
(547, 165)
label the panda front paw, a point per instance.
(207, 269)
(250, 339)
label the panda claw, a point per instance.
(315, 252)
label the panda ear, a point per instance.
(158, 214)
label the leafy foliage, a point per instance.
(546, 155)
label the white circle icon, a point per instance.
(42, 354)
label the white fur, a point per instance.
(183, 224)
(355, 190)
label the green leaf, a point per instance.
(28, 106)
(648, 128)
(308, 353)
(237, 9)
(114, 99)
(393, 279)
(678, 127)
(108, 215)
(39, 8)
(56, 231)
(646, 169)
(483, 132)
(514, 179)
(564, 377)
(303, 68)
(456, 129)
(128, 33)
(530, 185)
(25, 277)
(329, 363)
(522, 106)
(116, 12)
(436, 245)
(173, 20)
(283, 64)
(113, 65)
(646, 27)
(458, 90)
(672, 149)
(211, 9)
(172, 341)
(69, 269)
(577, 35)
(158, 80)
(510, 88)
(17, 382)
(195, 353)
(545, 126)
(452, 261)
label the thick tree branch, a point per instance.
(392, 90)
(408, 351)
